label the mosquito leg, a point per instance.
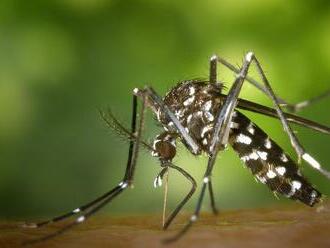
(117, 190)
(213, 205)
(73, 212)
(301, 105)
(213, 79)
(289, 106)
(97, 200)
(92, 207)
(223, 119)
(213, 69)
(194, 217)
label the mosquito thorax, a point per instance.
(195, 104)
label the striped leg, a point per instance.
(91, 208)
(213, 205)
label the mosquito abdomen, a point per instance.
(268, 162)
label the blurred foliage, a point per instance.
(61, 60)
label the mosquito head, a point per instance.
(164, 147)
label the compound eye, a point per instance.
(165, 150)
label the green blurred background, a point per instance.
(61, 60)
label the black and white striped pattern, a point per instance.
(268, 162)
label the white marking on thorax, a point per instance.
(207, 106)
(189, 118)
(209, 116)
(199, 114)
(189, 101)
(192, 90)
(206, 129)
(204, 141)
(205, 91)
(178, 113)
(206, 109)
(280, 170)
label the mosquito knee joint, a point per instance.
(123, 185)
(214, 57)
(206, 179)
(249, 56)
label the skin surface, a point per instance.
(294, 225)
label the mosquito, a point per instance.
(205, 120)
